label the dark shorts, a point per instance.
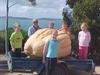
(17, 52)
(50, 65)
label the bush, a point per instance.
(2, 42)
(88, 11)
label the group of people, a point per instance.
(50, 52)
(35, 26)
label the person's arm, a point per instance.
(39, 27)
(45, 51)
(31, 30)
(60, 29)
(11, 42)
(22, 36)
(22, 40)
(89, 37)
(78, 36)
(58, 61)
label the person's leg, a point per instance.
(80, 52)
(85, 52)
(13, 54)
(53, 65)
(47, 66)
(18, 52)
(50, 65)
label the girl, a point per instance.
(50, 52)
(84, 38)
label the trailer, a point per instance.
(32, 64)
(35, 64)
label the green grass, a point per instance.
(2, 34)
(2, 41)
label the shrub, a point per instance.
(88, 11)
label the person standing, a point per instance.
(16, 41)
(65, 29)
(50, 53)
(32, 29)
(51, 25)
(84, 38)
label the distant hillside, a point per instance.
(30, 18)
(26, 22)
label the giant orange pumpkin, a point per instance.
(35, 44)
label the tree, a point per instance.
(33, 2)
(71, 3)
(88, 11)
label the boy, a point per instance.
(16, 41)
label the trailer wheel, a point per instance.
(60, 69)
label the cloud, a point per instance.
(43, 9)
(2, 7)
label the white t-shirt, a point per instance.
(84, 38)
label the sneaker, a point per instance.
(35, 73)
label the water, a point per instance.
(26, 22)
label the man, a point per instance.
(33, 28)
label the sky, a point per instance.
(43, 9)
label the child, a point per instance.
(16, 41)
(84, 38)
(65, 29)
(51, 25)
(50, 52)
